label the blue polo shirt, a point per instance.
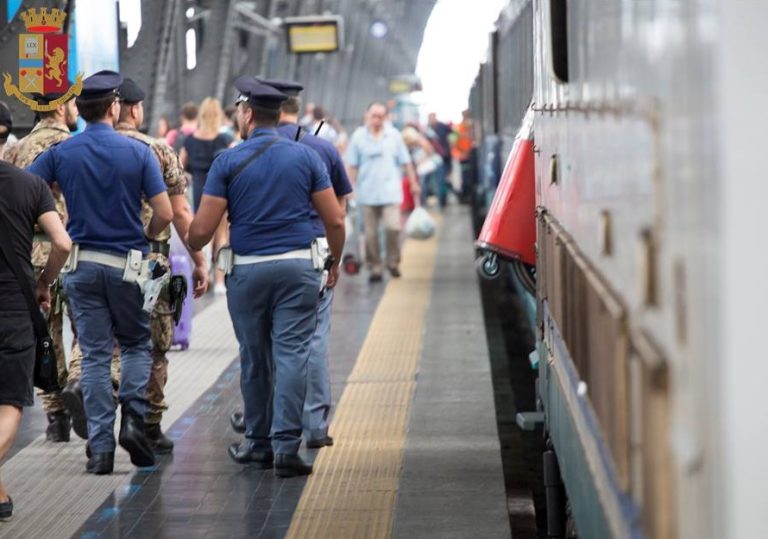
(269, 202)
(103, 175)
(379, 161)
(333, 164)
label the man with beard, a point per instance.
(52, 128)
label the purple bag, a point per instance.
(181, 265)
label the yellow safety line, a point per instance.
(352, 490)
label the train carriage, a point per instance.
(627, 176)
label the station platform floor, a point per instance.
(416, 450)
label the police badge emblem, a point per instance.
(43, 60)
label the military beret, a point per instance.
(101, 84)
(45, 99)
(6, 118)
(130, 92)
(288, 87)
(257, 94)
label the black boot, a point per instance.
(246, 453)
(72, 395)
(101, 463)
(160, 443)
(237, 420)
(133, 439)
(58, 427)
(291, 466)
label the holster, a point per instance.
(177, 292)
(320, 252)
(71, 264)
(135, 267)
(225, 260)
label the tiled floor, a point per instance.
(198, 492)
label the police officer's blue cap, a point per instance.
(288, 87)
(130, 92)
(257, 94)
(101, 84)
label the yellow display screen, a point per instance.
(313, 37)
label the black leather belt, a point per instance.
(159, 247)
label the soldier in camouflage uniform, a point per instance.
(131, 118)
(53, 127)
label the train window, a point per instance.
(558, 21)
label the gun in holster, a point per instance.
(177, 292)
(152, 277)
(321, 260)
(326, 272)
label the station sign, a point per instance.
(313, 34)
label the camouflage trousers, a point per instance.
(161, 326)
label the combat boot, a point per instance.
(101, 463)
(59, 425)
(158, 441)
(72, 395)
(133, 439)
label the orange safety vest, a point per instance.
(464, 143)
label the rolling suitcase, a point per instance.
(181, 265)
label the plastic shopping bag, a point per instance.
(420, 225)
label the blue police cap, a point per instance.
(130, 92)
(288, 87)
(257, 94)
(101, 84)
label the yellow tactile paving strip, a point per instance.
(352, 490)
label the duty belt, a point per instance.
(113, 261)
(304, 254)
(160, 247)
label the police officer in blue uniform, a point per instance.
(317, 405)
(103, 175)
(267, 184)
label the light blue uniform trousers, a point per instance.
(273, 306)
(317, 405)
(105, 307)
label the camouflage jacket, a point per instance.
(173, 173)
(45, 134)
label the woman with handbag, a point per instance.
(26, 201)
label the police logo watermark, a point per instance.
(43, 60)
